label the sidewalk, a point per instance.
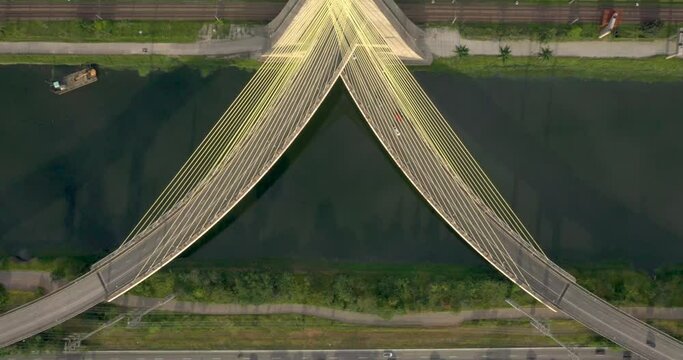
(251, 45)
(27, 280)
(442, 42)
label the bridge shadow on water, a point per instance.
(300, 144)
(492, 124)
(329, 234)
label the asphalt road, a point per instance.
(443, 11)
(371, 354)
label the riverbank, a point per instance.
(143, 64)
(26, 285)
(383, 289)
(655, 69)
(108, 30)
(183, 325)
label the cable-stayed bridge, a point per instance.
(315, 43)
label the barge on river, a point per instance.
(74, 81)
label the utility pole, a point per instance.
(543, 329)
(135, 318)
(73, 341)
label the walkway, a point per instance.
(247, 46)
(439, 41)
(27, 280)
(442, 42)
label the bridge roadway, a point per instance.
(544, 280)
(403, 142)
(280, 122)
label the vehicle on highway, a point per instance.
(388, 355)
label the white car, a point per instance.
(388, 354)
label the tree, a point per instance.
(462, 51)
(545, 54)
(505, 53)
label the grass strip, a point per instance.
(144, 64)
(102, 30)
(655, 69)
(544, 32)
(384, 289)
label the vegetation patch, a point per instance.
(646, 70)
(144, 64)
(390, 290)
(101, 31)
(544, 32)
(167, 331)
(386, 289)
(63, 268)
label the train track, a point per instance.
(421, 13)
(265, 11)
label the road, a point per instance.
(266, 11)
(370, 354)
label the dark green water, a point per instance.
(593, 168)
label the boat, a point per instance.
(74, 80)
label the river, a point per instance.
(592, 167)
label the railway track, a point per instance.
(266, 11)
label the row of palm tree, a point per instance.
(504, 52)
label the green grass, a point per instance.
(560, 32)
(619, 69)
(507, 3)
(394, 289)
(384, 290)
(14, 298)
(61, 268)
(301, 332)
(101, 31)
(144, 64)
(187, 332)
